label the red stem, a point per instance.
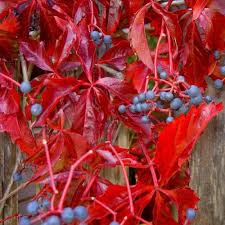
(89, 186)
(9, 217)
(124, 220)
(125, 177)
(10, 79)
(72, 168)
(143, 221)
(170, 51)
(186, 222)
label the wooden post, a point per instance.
(7, 164)
(208, 169)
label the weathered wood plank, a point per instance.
(208, 170)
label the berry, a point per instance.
(144, 119)
(122, 108)
(33, 207)
(216, 54)
(169, 119)
(163, 75)
(159, 105)
(107, 39)
(45, 204)
(135, 100)
(138, 107)
(181, 78)
(95, 35)
(176, 103)
(145, 107)
(80, 213)
(182, 110)
(208, 99)
(25, 87)
(132, 108)
(162, 95)
(17, 177)
(53, 220)
(36, 109)
(141, 97)
(196, 100)
(150, 95)
(168, 96)
(67, 215)
(193, 91)
(190, 214)
(222, 70)
(218, 84)
(159, 69)
(114, 223)
(24, 221)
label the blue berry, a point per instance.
(216, 54)
(17, 177)
(150, 95)
(25, 87)
(24, 221)
(168, 96)
(107, 39)
(45, 204)
(144, 119)
(114, 223)
(196, 100)
(67, 215)
(145, 107)
(141, 97)
(122, 108)
(159, 105)
(53, 220)
(95, 35)
(135, 100)
(45, 223)
(222, 70)
(132, 108)
(218, 84)
(182, 110)
(138, 107)
(80, 213)
(159, 69)
(190, 214)
(193, 91)
(163, 75)
(169, 119)
(162, 95)
(36, 109)
(181, 78)
(33, 207)
(176, 103)
(208, 99)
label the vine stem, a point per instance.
(150, 163)
(186, 222)
(24, 68)
(105, 207)
(44, 141)
(89, 186)
(170, 51)
(72, 168)
(124, 220)
(9, 217)
(10, 79)
(125, 177)
(143, 221)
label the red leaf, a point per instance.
(177, 140)
(199, 7)
(138, 38)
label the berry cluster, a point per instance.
(98, 38)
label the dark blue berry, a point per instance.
(159, 105)
(24, 221)
(150, 95)
(132, 108)
(169, 119)
(53, 220)
(145, 119)
(95, 35)
(33, 207)
(222, 70)
(176, 103)
(135, 100)
(216, 54)
(138, 107)
(193, 91)
(17, 177)
(45, 204)
(114, 223)
(162, 95)
(122, 108)
(190, 214)
(107, 39)
(159, 69)
(163, 75)
(80, 213)
(36, 109)
(208, 99)
(25, 87)
(141, 97)
(181, 78)
(67, 215)
(218, 84)
(145, 107)
(196, 100)
(182, 110)
(168, 96)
